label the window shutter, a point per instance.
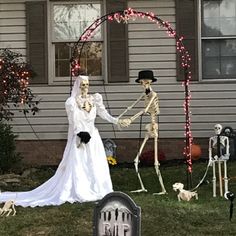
(117, 45)
(36, 35)
(186, 26)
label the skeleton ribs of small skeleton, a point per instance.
(8, 207)
(220, 145)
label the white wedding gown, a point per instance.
(83, 174)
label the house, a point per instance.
(44, 32)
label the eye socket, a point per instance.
(144, 82)
(84, 84)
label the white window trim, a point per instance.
(52, 79)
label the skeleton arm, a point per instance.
(145, 110)
(210, 151)
(133, 118)
(227, 146)
(127, 122)
(130, 107)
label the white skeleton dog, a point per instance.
(151, 108)
(183, 194)
(8, 207)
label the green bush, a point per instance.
(9, 158)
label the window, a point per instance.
(218, 39)
(63, 27)
(69, 20)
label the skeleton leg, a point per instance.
(136, 162)
(156, 165)
(3, 213)
(14, 210)
(220, 178)
(9, 212)
(214, 178)
(179, 199)
(225, 176)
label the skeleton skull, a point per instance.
(218, 129)
(84, 86)
(227, 132)
(146, 83)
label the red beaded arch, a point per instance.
(124, 17)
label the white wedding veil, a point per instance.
(76, 87)
(70, 107)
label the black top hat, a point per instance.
(145, 74)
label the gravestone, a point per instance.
(110, 148)
(117, 215)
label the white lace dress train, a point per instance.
(83, 174)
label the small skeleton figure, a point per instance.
(151, 108)
(219, 152)
(184, 195)
(8, 207)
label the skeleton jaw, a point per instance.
(84, 92)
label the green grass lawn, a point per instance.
(160, 215)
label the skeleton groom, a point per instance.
(145, 78)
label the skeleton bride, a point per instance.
(83, 174)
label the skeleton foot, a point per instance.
(160, 193)
(139, 190)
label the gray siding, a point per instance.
(12, 26)
(149, 48)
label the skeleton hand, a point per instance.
(124, 122)
(210, 163)
(225, 157)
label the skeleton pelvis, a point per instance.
(152, 129)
